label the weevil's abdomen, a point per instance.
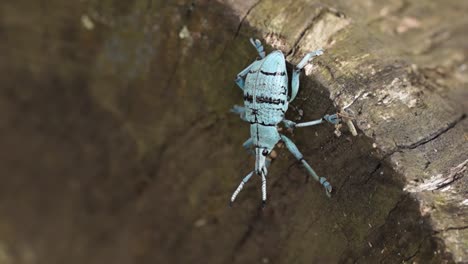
(266, 90)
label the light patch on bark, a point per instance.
(321, 33)
(439, 182)
(398, 90)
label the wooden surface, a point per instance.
(117, 144)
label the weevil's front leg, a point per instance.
(297, 71)
(333, 119)
(240, 110)
(258, 46)
(295, 151)
(240, 79)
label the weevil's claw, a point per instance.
(334, 119)
(263, 204)
(326, 184)
(230, 204)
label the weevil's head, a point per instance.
(264, 140)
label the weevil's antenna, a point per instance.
(241, 185)
(264, 194)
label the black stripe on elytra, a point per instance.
(248, 98)
(261, 123)
(255, 111)
(285, 91)
(278, 109)
(268, 100)
(283, 73)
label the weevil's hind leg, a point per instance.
(258, 46)
(241, 185)
(240, 110)
(297, 71)
(295, 151)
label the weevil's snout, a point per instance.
(261, 155)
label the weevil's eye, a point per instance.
(265, 152)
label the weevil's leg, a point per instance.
(241, 185)
(295, 151)
(297, 71)
(239, 110)
(258, 45)
(248, 146)
(308, 58)
(333, 119)
(310, 123)
(248, 143)
(240, 79)
(289, 123)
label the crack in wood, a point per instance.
(322, 11)
(372, 174)
(244, 17)
(454, 228)
(395, 207)
(450, 228)
(418, 250)
(247, 234)
(434, 135)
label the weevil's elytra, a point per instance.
(264, 83)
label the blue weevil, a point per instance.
(265, 87)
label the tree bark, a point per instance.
(118, 146)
